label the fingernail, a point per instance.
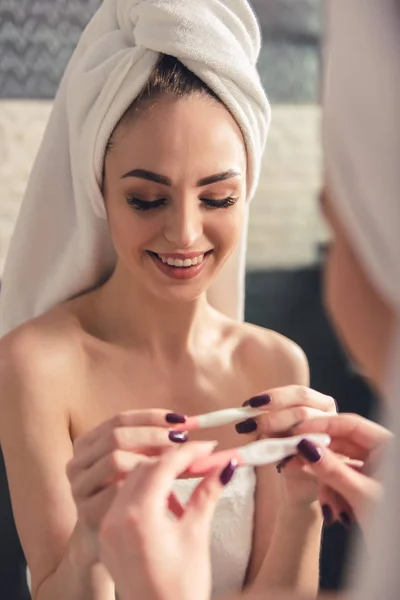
(345, 519)
(246, 403)
(309, 451)
(175, 418)
(246, 426)
(227, 474)
(328, 514)
(260, 400)
(179, 437)
(282, 464)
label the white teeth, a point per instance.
(178, 262)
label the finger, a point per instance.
(158, 476)
(92, 510)
(201, 506)
(110, 468)
(144, 440)
(283, 420)
(347, 448)
(293, 395)
(131, 418)
(332, 504)
(175, 506)
(357, 429)
(329, 469)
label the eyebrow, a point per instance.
(163, 180)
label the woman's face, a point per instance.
(175, 191)
(362, 318)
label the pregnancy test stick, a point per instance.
(218, 418)
(263, 452)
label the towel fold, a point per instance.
(61, 245)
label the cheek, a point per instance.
(224, 227)
(336, 286)
(344, 303)
(358, 312)
(129, 231)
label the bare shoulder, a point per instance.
(38, 366)
(273, 359)
(39, 353)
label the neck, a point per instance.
(132, 316)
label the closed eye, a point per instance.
(139, 204)
(144, 205)
(225, 203)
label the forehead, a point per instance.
(194, 129)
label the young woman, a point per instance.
(100, 379)
(363, 297)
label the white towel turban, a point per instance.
(61, 245)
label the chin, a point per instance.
(177, 297)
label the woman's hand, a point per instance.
(354, 437)
(104, 457)
(285, 407)
(150, 554)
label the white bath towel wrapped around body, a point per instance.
(61, 245)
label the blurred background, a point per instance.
(287, 237)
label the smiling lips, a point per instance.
(180, 266)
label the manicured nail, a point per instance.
(179, 437)
(228, 472)
(282, 464)
(246, 426)
(328, 514)
(246, 403)
(175, 418)
(260, 400)
(309, 451)
(345, 519)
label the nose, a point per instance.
(184, 224)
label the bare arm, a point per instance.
(36, 380)
(292, 558)
(287, 536)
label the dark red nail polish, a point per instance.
(328, 514)
(174, 418)
(282, 464)
(246, 426)
(345, 519)
(227, 474)
(309, 451)
(178, 437)
(260, 400)
(246, 403)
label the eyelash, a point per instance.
(143, 205)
